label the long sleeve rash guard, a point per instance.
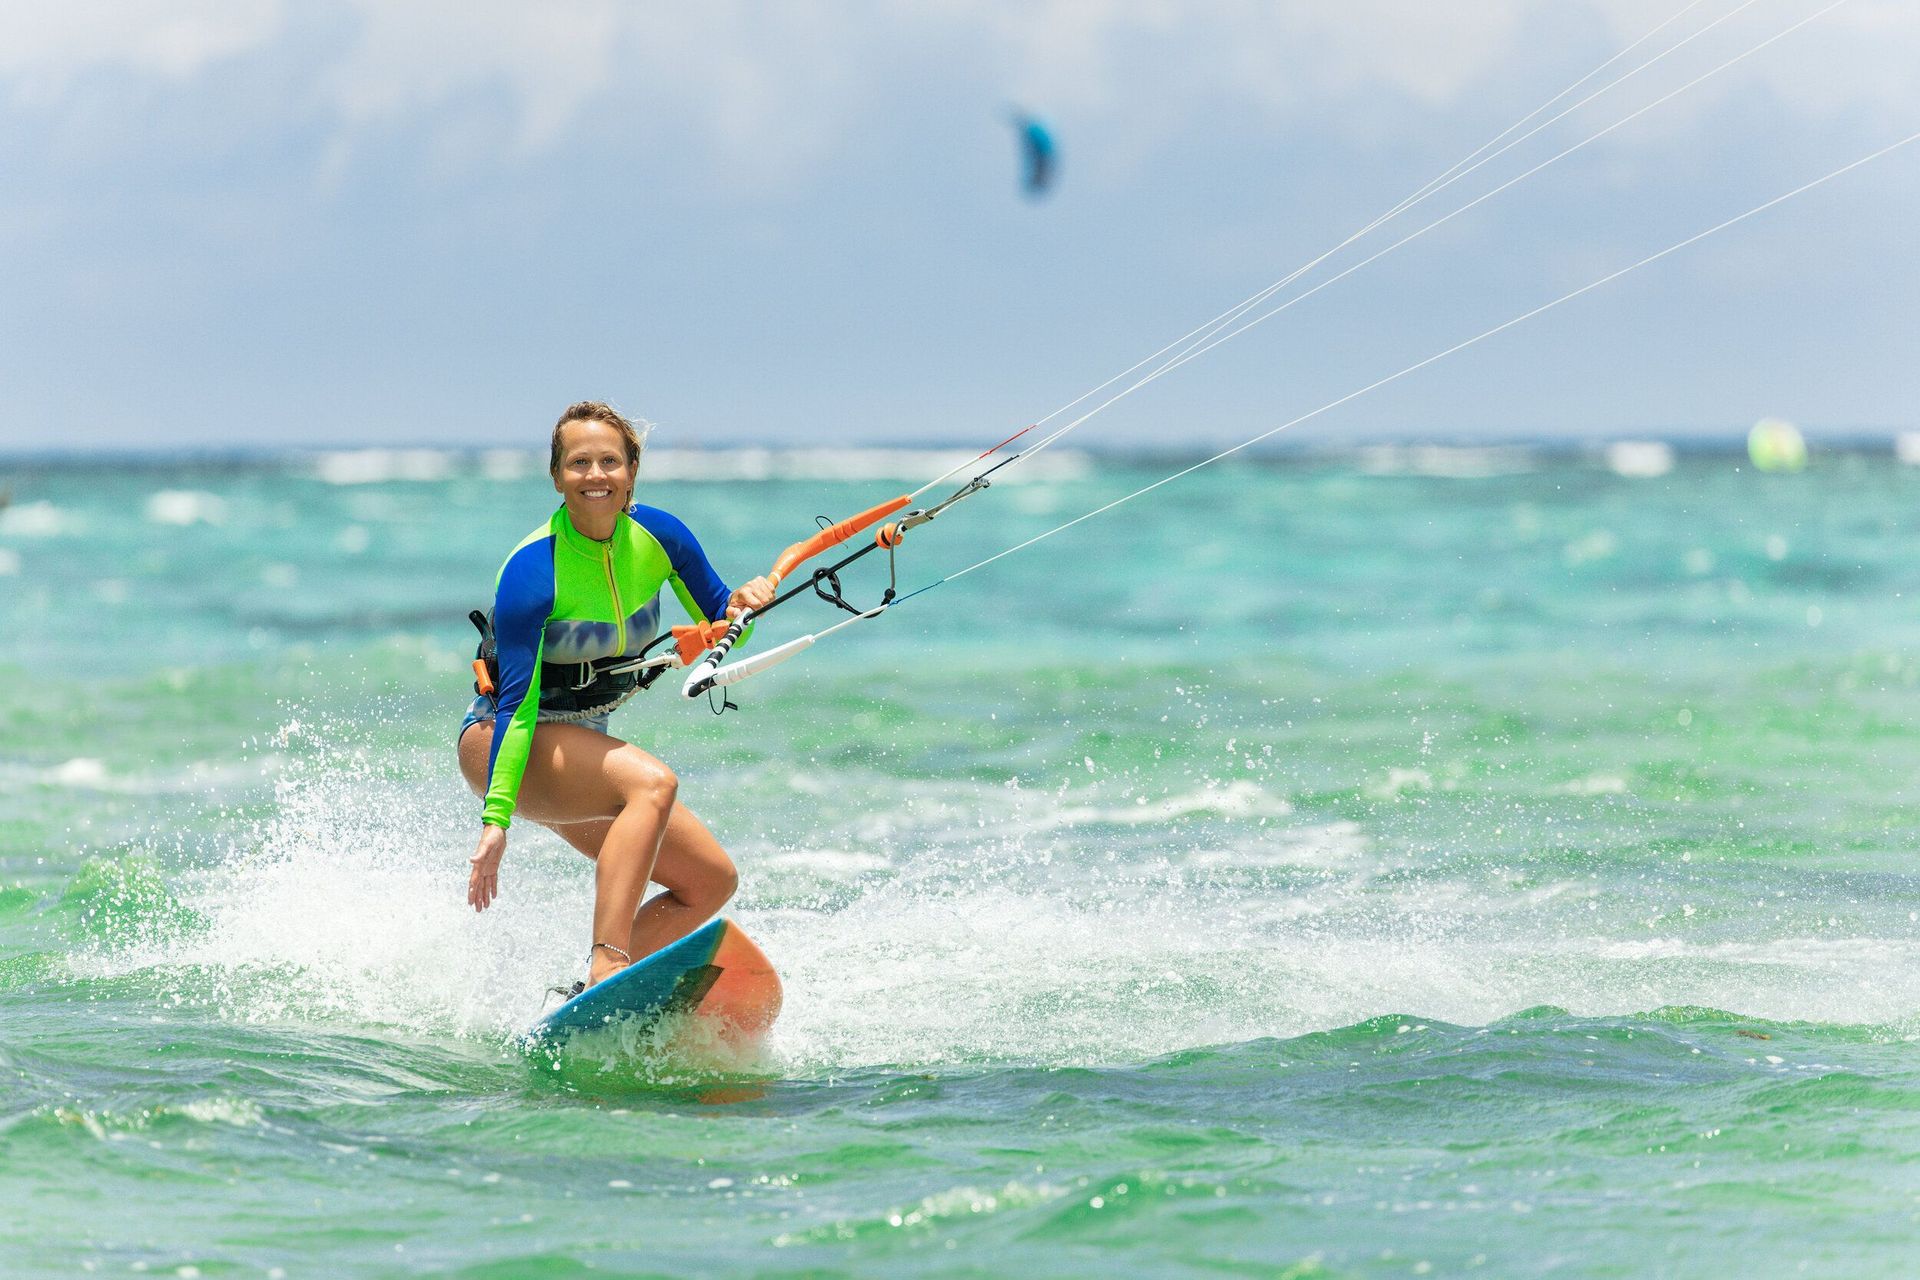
(563, 597)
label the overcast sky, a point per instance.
(260, 224)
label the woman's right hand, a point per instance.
(483, 885)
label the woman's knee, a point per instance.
(644, 780)
(721, 884)
(707, 887)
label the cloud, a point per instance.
(44, 48)
(780, 85)
(406, 58)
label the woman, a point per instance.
(585, 586)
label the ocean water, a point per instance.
(1381, 864)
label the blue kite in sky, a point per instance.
(1037, 151)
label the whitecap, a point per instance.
(1398, 782)
(376, 466)
(186, 507)
(1236, 799)
(81, 772)
(506, 464)
(1447, 462)
(1596, 784)
(852, 464)
(1640, 459)
(834, 864)
(39, 520)
(1322, 845)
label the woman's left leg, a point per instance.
(696, 872)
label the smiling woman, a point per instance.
(582, 588)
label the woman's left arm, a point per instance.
(694, 580)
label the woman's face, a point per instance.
(595, 478)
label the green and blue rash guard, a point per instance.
(563, 597)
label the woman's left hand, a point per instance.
(755, 595)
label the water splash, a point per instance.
(1081, 924)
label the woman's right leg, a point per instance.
(698, 876)
(573, 775)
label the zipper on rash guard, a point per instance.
(619, 610)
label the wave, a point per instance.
(91, 774)
(1449, 462)
(40, 519)
(181, 507)
(910, 465)
(987, 925)
(383, 466)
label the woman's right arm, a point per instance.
(522, 603)
(483, 882)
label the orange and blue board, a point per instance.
(716, 976)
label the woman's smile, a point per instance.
(594, 476)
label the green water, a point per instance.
(1319, 868)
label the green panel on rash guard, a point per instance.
(564, 597)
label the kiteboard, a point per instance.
(715, 977)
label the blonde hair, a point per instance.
(606, 414)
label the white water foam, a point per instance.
(910, 466)
(1235, 798)
(186, 507)
(1007, 932)
(40, 520)
(197, 777)
(382, 466)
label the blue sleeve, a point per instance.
(522, 603)
(690, 563)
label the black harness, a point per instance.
(567, 686)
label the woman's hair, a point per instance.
(595, 411)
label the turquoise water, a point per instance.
(1329, 867)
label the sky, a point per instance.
(257, 224)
